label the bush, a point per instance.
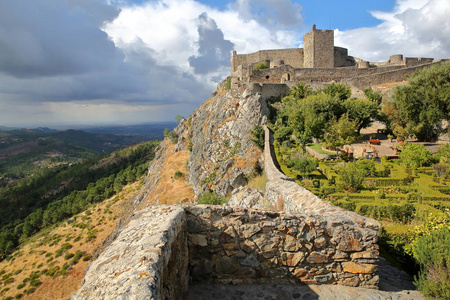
(178, 174)
(432, 252)
(257, 136)
(171, 135)
(260, 66)
(228, 84)
(352, 177)
(68, 256)
(211, 198)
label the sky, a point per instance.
(73, 62)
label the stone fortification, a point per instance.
(148, 259)
(320, 62)
(319, 48)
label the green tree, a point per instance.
(340, 132)
(373, 96)
(351, 177)
(257, 136)
(420, 106)
(338, 90)
(416, 155)
(363, 111)
(301, 90)
(304, 164)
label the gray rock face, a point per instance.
(223, 156)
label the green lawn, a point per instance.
(318, 148)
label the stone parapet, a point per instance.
(244, 246)
(147, 260)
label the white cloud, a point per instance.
(415, 28)
(171, 29)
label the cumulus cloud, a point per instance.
(415, 28)
(213, 50)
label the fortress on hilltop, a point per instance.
(320, 62)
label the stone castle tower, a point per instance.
(319, 48)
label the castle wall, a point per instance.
(293, 57)
(270, 90)
(341, 58)
(396, 75)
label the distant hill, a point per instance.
(25, 151)
(150, 131)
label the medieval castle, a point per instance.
(320, 62)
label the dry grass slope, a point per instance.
(44, 261)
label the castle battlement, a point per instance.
(319, 62)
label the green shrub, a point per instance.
(21, 286)
(211, 198)
(257, 136)
(171, 135)
(432, 252)
(63, 248)
(352, 177)
(178, 174)
(228, 84)
(260, 66)
(68, 256)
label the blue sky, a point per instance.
(136, 61)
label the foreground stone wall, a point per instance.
(241, 246)
(148, 259)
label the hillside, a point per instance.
(25, 152)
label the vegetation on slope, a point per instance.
(37, 202)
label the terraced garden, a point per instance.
(402, 199)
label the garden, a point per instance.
(408, 193)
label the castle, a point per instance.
(320, 62)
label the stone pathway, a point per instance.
(394, 284)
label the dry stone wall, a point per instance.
(242, 246)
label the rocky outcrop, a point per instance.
(218, 133)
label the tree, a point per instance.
(375, 97)
(420, 106)
(340, 132)
(257, 136)
(301, 90)
(338, 90)
(351, 176)
(304, 164)
(416, 155)
(363, 111)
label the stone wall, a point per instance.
(293, 57)
(396, 75)
(242, 246)
(148, 259)
(357, 77)
(319, 48)
(270, 90)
